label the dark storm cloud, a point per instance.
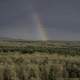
(64, 14)
(61, 18)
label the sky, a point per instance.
(59, 19)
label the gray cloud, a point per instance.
(61, 18)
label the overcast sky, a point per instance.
(60, 18)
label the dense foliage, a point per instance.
(51, 50)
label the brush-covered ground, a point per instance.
(37, 60)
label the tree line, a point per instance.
(50, 50)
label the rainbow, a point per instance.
(41, 33)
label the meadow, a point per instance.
(39, 60)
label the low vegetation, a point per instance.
(36, 60)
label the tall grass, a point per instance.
(39, 67)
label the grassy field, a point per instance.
(39, 60)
